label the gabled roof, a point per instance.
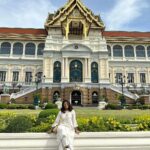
(22, 34)
(5, 30)
(126, 34)
(68, 8)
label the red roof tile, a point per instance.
(23, 31)
(126, 34)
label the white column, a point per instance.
(89, 68)
(11, 50)
(24, 44)
(86, 69)
(22, 75)
(112, 52)
(103, 72)
(51, 69)
(99, 69)
(123, 52)
(36, 49)
(113, 76)
(9, 75)
(136, 76)
(134, 52)
(146, 53)
(63, 67)
(64, 70)
(48, 69)
(67, 70)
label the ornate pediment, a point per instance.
(74, 17)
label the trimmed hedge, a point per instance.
(17, 106)
(113, 107)
(3, 106)
(47, 113)
(50, 106)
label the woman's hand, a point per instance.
(77, 131)
(50, 130)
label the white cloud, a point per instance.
(25, 13)
(124, 12)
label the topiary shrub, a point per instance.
(46, 116)
(17, 106)
(50, 106)
(19, 124)
(12, 106)
(22, 106)
(113, 107)
(47, 113)
(3, 106)
(31, 106)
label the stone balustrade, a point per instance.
(84, 141)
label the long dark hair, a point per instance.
(70, 108)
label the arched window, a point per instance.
(117, 51)
(109, 50)
(40, 49)
(30, 49)
(76, 71)
(94, 72)
(95, 98)
(56, 95)
(129, 51)
(140, 51)
(18, 49)
(148, 51)
(57, 72)
(5, 48)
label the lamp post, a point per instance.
(19, 86)
(38, 80)
(36, 97)
(13, 86)
(122, 82)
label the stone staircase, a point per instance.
(22, 93)
(118, 89)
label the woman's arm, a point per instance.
(56, 122)
(75, 124)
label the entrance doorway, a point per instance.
(76, 98)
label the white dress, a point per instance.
(65, 133)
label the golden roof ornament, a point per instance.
(64, 13)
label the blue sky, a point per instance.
(125, 15)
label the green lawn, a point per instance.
(86, 112)
(121, 114)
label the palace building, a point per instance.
(74, 58)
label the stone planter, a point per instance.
(102, 105)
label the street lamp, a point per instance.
(122, 82)
(38, 80)
(19, 86)
(13, 86)
(36, 97)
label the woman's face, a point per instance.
(66, 106)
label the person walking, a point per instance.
(65, 126)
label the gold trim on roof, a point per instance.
(68, 8)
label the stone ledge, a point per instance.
(84, 141)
